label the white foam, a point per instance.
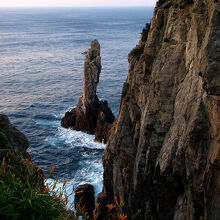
(59, 115)
(93, 178)
(92, 169)
(68, 136)
(77, 138)
(91, 173)
(66, 190)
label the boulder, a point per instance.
(11, 138)
(84, 199)
(102, 200)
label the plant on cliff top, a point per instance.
(160, 2)
(23, 194)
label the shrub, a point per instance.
(136, 52)
(4, 143)
(160, 2)
(23, 194)
(145, 32)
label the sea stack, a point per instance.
(91, 115)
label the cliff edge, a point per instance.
(163, 155)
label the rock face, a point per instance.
(163, 156)
(12, 138)
(84, 197)
(92, 70)
(91, 115)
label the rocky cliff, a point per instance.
(11, 138)
(163, 155)
(91, 115)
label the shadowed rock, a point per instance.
(84, 199)
(91, 115)
(12, 138)
(163, 155)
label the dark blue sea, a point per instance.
(41, 70)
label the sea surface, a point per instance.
(41, 72)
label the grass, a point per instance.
(23, 194)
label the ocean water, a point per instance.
(41, 71)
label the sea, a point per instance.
(41, 73)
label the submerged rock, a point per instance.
(91, 115)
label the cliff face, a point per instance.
(163, 155)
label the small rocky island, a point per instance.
(91, 115)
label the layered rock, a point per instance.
(91, 115)
(163, 156)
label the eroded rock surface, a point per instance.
(11, 138)
(163, 155)
(91, 115)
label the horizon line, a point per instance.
(89, 6)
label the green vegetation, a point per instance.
(187, 16)
(136, 52)
(160, 2)
(4, 143)
(145, 33)
(23, 194)
(181, 3)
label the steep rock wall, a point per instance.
(163, 154)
